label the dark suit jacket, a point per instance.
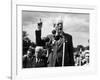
(69, 57)
(55, 58)
(41, 63)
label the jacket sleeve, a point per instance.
(38, 37)
(39, 41)
(71, 55)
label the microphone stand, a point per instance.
(63, 53)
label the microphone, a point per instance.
(56, 37)
(53, 32)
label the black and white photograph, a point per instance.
(51, 40)
(55, 39)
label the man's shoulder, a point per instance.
(67, 35)
(47, 38)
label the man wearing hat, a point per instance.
(62, 46)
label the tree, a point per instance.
(26, 42)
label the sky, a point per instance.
(76, 24)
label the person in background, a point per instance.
(39, 59)
(85, 61)
(27, 59)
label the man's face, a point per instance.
(38, 52)
(86, 56)
(59, 29)
(28, 53)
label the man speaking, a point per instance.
(61, 52)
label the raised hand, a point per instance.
(39, 27)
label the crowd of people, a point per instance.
(81, 56)
(54, 50)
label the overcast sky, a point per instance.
(76, 24)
